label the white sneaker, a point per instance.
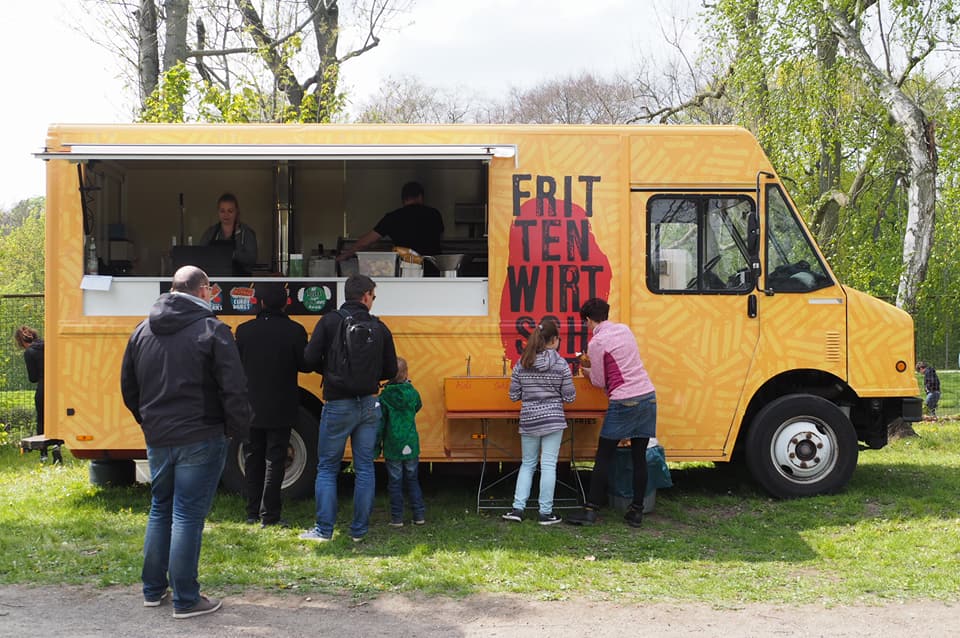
(313, 535)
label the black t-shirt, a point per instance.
(414, 226)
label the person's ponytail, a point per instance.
(543, 334)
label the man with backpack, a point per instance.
(354, 351)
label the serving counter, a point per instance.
(396, 297)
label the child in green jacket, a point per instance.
(399, 404)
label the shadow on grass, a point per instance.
(713, 515)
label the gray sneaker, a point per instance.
(204, 606)
(313, 535)
(513, 515)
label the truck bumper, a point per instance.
(912, 409)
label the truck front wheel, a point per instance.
(301, 471)
(801, 445)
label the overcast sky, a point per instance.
(51, 73)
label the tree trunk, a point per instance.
(284, 76)
(920, 148)
(326, 29)
(149, 58)
(826, 217)
(175, 47)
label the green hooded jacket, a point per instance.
(399, 404)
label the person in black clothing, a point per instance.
(183, 382)
(931, 383)
(348, 413)
(414, 225)
(32, 346)
(271, 349)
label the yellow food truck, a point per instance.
(758, 353)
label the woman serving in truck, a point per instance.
(231, 229)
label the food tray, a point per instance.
(377, 264)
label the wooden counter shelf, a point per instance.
(485, 399)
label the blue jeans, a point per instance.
(402, 474)
(183, 482)
(933, 398)
(358, 419)
(547, 448)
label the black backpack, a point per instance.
(355, 360)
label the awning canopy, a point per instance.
(85, 152)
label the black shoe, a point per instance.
(548, 519)
(634, 516)
(513, 515)
(277, 523)
(585, 516)
(252, 521)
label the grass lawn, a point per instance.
(894, 534)
(949, 392)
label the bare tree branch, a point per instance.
(696, 101)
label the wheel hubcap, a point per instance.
(296, 460)
(804, 449)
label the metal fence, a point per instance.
(938, 343)
(17, 414)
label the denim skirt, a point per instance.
(635, 417)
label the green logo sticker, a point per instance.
(314, 298)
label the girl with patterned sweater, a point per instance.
(543, 383)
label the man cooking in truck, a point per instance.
(414, 225)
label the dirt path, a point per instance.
(85, 612)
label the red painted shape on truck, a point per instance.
(554, 265)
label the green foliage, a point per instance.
(326, 103)
(168, 101)
(938, 330)
(240, 106)
(182, 98)
(824, 126)
(22, 233)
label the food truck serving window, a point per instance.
(140, 200)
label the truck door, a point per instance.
(696, 321)
(802, 308)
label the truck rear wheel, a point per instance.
(301, 472)
(801, 445)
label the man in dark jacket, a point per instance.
(271, 349)
(346, 414)
(182, 380)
